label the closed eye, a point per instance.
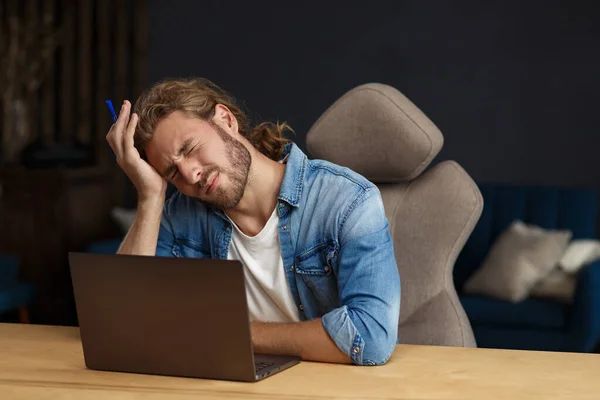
(185, 150)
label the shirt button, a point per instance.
(301, 307)
(292, 268)
(356, 349)
(283, 228)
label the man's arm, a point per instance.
(151, 187)
(306, 339)
(142, 236)
(364, 329)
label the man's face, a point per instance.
(201, 159)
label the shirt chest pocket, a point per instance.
(188, 249)
(317, 269)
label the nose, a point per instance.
(191, 172)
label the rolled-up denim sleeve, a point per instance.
(365, 327)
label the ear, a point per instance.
(225, 119)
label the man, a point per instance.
(321, 277)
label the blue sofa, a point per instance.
(14, 294)
(533, 324)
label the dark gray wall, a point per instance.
(513, 85)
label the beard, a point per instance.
(239, 166)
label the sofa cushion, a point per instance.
(548, 207)
(522, 256)
(521, 339)
(15, 296)
(530, 313)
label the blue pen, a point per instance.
(112, 110)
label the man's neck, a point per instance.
(260, 198)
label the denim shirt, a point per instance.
(336, 248)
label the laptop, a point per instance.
(167, 316)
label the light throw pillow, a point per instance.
(558, 285)
(579, 253)
(520, 257)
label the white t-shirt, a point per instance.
(267, 290)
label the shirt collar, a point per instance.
(293, 179)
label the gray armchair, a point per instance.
(379, 133)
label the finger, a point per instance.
(123, 119)
(128, 142)
(119, 128)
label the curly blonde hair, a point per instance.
(198, 97)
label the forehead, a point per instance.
(170, 133)
(176, 127)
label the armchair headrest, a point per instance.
(376, 131)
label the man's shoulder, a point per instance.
(343, 178)
(334, 194)
(336, 188)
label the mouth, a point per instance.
(210, 187)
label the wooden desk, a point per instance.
(47, 362)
